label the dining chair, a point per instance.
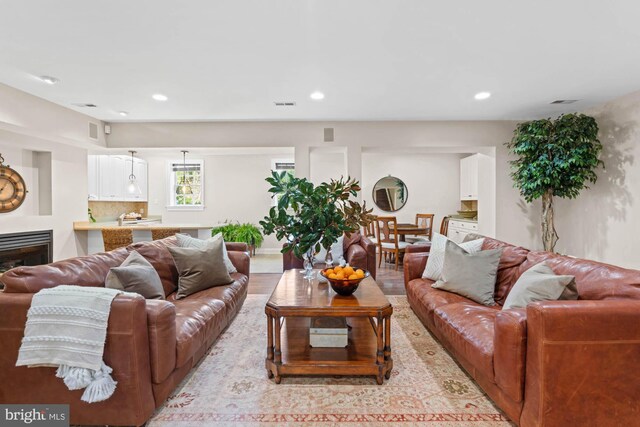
(116, 237)
(369, 231)
(387, 235)
(444, 226)
(422, 221)
(158, 233)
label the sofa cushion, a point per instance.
(508, 269)
(136, 274)
(88, 270)
(540, 283)
(200, 268)
(595, 280)
(426, 299)
(472, 275)
(468, 329)
(202, 316)
(158, 255)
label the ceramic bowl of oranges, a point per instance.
(344, 280)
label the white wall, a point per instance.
(235, 189)
(432, 180)
(28, 124)
(68, 184)
(603, 222)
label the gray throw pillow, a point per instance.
(186, 241)
(540, 283)
(200, 269)
(472, 275)
(136, 274)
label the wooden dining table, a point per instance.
(404, 229)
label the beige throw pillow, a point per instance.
(200, 269)
(435, 262)
(136, 274)
(470, 275)
(186, 241)
(540, 283)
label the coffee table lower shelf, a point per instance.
(367, 351)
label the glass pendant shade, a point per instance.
(133, 187)
(184, 187)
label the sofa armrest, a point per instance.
(418, 247)
(126, 351)
(370, 248)
(241, 261)
(582, 359)
(509, 354)
(414, 264)
(236, 246)
(161, 319)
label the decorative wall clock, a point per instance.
(12, 188)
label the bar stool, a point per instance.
(116, 237)
(158, 233)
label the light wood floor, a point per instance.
(390, 281)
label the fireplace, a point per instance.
(29, 248)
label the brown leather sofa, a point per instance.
(555, 363)
(151, 344)
(359, 252)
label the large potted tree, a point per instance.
(309, 216)
(554, 158)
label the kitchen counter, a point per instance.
(88, 226)
(91, 232)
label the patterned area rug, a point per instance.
(230, 386)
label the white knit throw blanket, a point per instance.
(67, 327)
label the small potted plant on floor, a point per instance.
(309, 217)
(246, 232)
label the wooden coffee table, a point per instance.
(295, 300)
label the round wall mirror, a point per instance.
(390, 194)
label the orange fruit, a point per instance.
(348, 271)
(337, 269)
(333, 276)
(353, 277)
(359, 273)
(340, 275)
(328, 271)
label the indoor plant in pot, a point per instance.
(312, 216)
(246, 232)
(554, 158)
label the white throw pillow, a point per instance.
(185, 241)
(435, 262)
(337, 252)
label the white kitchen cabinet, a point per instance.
(94, 179)
(109, 177)
(469, 178)
(458, 230)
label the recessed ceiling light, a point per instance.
(49, 80)
(160, 97)
(482, 95)
(317, 96)
(123, 113)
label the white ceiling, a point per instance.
(373, 59)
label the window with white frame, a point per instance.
(283, 165)
(186, 184)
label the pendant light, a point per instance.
(184, 186)
(133, 187)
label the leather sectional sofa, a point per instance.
(555, 363)
(359, 252)
(151, 344)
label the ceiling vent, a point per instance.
(285, 104)
(564, 101)
(328, 134)
(84, 105)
